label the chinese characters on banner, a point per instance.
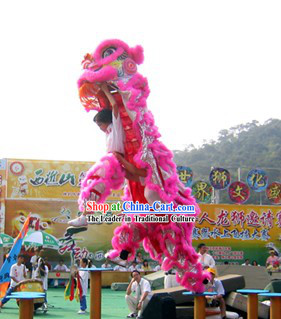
(49, 190)
(185, 175)
(239, 192)
(243, 228)
(202, 191)
(226, 253)
(219, 178)
(273, 192)
(257, 180)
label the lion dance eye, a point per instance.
(108, 52)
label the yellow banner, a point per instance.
(52, 217)
(2, 194)
(236, 232)
(32, 179)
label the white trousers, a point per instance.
(170, 281)
(132, 303)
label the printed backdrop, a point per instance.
(49, 190)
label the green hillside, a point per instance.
(245, 146)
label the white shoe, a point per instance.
(79, 221)
(81, 312)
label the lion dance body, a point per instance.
(115, 63)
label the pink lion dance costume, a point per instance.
(170, 243)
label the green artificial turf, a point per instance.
(113, 306)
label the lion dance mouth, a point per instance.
(115, 63)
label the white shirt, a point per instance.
(61, 268)
(105, 266)
(33, 260)
(115, 136)
(43, 278)
(141, 287)
(206, 260)
(131, 268)
(84, 276)
(120, 268)
(18, 273)
(157, 268)
(215, 287)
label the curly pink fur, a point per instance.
(113, 178)
(173, 241)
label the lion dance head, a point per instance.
(112, 61)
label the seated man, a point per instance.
(122, 266)
(61, 267)
(215, 285)
(246, 263)
(134, 266)
(141, 288)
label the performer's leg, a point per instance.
(151, 196)
(126, 239)
(143, 306)
(83, 303)
(8, 293)
(170, 281)
(180, 255)
(132, 303)
(99, 182)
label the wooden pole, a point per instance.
(275, 308)
(252, 306)
(199, 307)
(26, 309)
(95, 295)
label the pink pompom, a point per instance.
(137, 54)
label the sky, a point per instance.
(210, 65)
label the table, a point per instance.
(95, 290)
(275, 304)
(199, 303)
(26, 302)
(252, 302)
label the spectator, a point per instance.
(271, 259)
(61, 267)
(133, 267)
(34, 261)
(141, 288)
(84, 279)
(275, 267)
(246, 263)
(206, 260)
(17, 274)
(145, 266)
(47, 263)
(106, 264)
(255, 263)
(41, 273)
(157, 268)
(122, 266)
(139, 258)
(215, 285)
